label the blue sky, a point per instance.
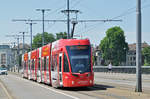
(90, 9)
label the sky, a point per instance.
(90, 10)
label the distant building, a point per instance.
(98, 60)
(131, 58)
(131, 54)
(5, 56)
(9, 56)
(19, 51)
(26, 48)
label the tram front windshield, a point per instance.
(80, 58)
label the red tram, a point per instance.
(63, 63)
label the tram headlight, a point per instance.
(66, 77)
(72, 82)
(90, 81)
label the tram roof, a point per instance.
(67, 42)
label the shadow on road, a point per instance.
(95, 87)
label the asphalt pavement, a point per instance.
(24, 89)
(123, 79)
(107, 86)
(3, 94)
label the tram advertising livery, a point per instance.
(63, 63)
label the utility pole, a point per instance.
(43, 12)
(23, 48)
(30, 22)
(13, 44)
(68, 11)
(13, 51)
(138, 48)
(68, 19)
(18, 50)
(74, 21)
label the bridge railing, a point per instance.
(122, 69)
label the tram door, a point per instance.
(29, 69)
(29, 66)
(54, 71)
(47, 70)
(60, 69)
(43, 68)
(39, 70)
(39, 74)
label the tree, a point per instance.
(61, 35)
(37, 41)
(113, 46)
(146, 55)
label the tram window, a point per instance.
(54, 63)
(47, 63)
(39, 65)
(55, 68)
(29, 64)
(60, 63)
(24, 65)
(44, 63)
(32, 66)
(66, 65)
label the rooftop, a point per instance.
(133, 46)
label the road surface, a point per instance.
(107, 86)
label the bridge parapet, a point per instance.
(122, 69)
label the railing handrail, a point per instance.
(120, 66)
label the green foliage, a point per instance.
(37, 41)
(113, 46)
(61, 35)
(146, 64)
(49, 37)
(146, 55)
(93, 59)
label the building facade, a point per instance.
(17, 53)
(131, 54)
(9, 56)
(5, 56)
